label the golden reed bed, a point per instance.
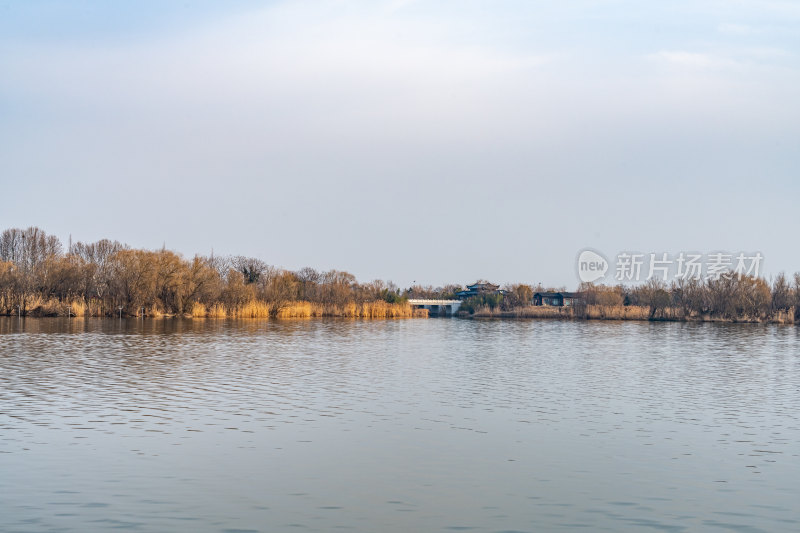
(252, 309)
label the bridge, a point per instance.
(436, 307)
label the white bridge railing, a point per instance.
(423, 301)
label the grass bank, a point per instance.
(589, 312)
(305, 309)
(37, 307)
(625, 312)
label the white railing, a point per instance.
(424, 301)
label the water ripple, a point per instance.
(397, 425)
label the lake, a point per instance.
(404, 425)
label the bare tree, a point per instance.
(782, 297)
(250, 267)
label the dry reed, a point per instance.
(543, 311)
(78, 308)
(617, 312)
(379, 309)
(251, 309)
(301, 309)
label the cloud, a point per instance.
(277, 52)
(784, 8)
(355, 116)
(692, 60)
(736, 29)
(730, 60)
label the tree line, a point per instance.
(731, 297)
(38, 276)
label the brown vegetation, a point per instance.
(106, 278)
(38, 277)
(730, 298)
(528, 311)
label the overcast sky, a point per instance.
(427, 141)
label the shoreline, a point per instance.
(623, 313)
(376, 309)
(547, 313)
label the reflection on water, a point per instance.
(213, 425)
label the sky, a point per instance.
(414, 141)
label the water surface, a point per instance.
(409, 425)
